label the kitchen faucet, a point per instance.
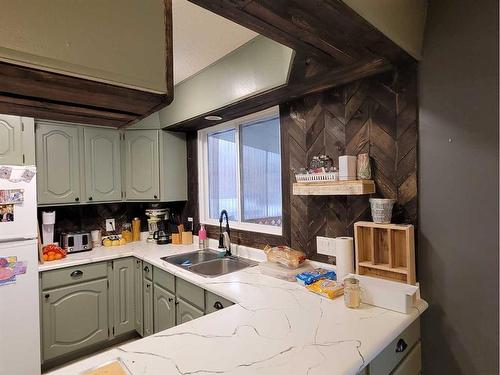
(224, 239)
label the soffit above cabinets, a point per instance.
(201, 37)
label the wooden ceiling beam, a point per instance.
(299, 87)
(324, 29)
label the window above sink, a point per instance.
(239, 165)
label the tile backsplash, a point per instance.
(93, 216)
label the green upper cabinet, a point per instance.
(142, 180)
(10, 140)
(102, 164)
(58, 163)
(123, 295)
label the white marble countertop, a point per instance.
(275, 326)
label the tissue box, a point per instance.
(347, 167)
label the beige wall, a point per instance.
(116, 41)
(402, 21)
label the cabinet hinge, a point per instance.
(24, 159)
(113, 330)
(22, 125)
(108, 283)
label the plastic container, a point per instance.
(280, 272)
(127, 232)
(382, 210)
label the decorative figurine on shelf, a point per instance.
(363, 168)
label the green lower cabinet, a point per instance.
(186, 311)
(213, 302)
(147, 293)
(74, 317)
(164, 309)
(138, 304)
(123, 296)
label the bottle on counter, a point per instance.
(202, 238)
(136, 229)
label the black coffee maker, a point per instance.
(162, 236)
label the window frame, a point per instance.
(203, 191)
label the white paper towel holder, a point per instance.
(342, 248)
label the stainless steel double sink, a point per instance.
(209, 262)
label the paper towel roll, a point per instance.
(344, 250)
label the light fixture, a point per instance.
(213, 118)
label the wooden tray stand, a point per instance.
(385, 250)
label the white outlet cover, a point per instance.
(110, 225)
(325, 246)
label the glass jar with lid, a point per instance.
(127, 232)
(352, 293)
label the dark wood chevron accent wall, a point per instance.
(376, 115)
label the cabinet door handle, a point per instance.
(76, 273)
(47, 296)
(155, 196)
(218, 305)
(170, 299)
(401, 346)
(147, 286)
(90, 198)
(77, 199)
(176, 303)
(146, 269)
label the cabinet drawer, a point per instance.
(73, 275)
(411, 364)
(388, 359)
(147, 270)
(213, 302)
(190, 293)
(164, 279)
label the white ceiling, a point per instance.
(201, 38)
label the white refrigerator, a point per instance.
(19, 293)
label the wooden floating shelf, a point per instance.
(354, 187)
(386, 251)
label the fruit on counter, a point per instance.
(123, 241)
(107, 242)
(115, 242)
(52, 252)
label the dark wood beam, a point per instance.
(300, 87)
(325, 29)
(39, 93)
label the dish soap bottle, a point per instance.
(202, 238)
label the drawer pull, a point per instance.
(146, 269)
(401, 346)
(47, 296)
(218, 305)
(170, 299)
(76, 274)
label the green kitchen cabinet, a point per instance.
(58, 163)
(138, 304)
(147, 307)
(213, 302)
(123, 296)
(142, 180)
(164, 309)
(11, 130)
(102, 164)
(74, 317)
(186, 312)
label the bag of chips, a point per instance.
(309, 277)
(327, 288)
